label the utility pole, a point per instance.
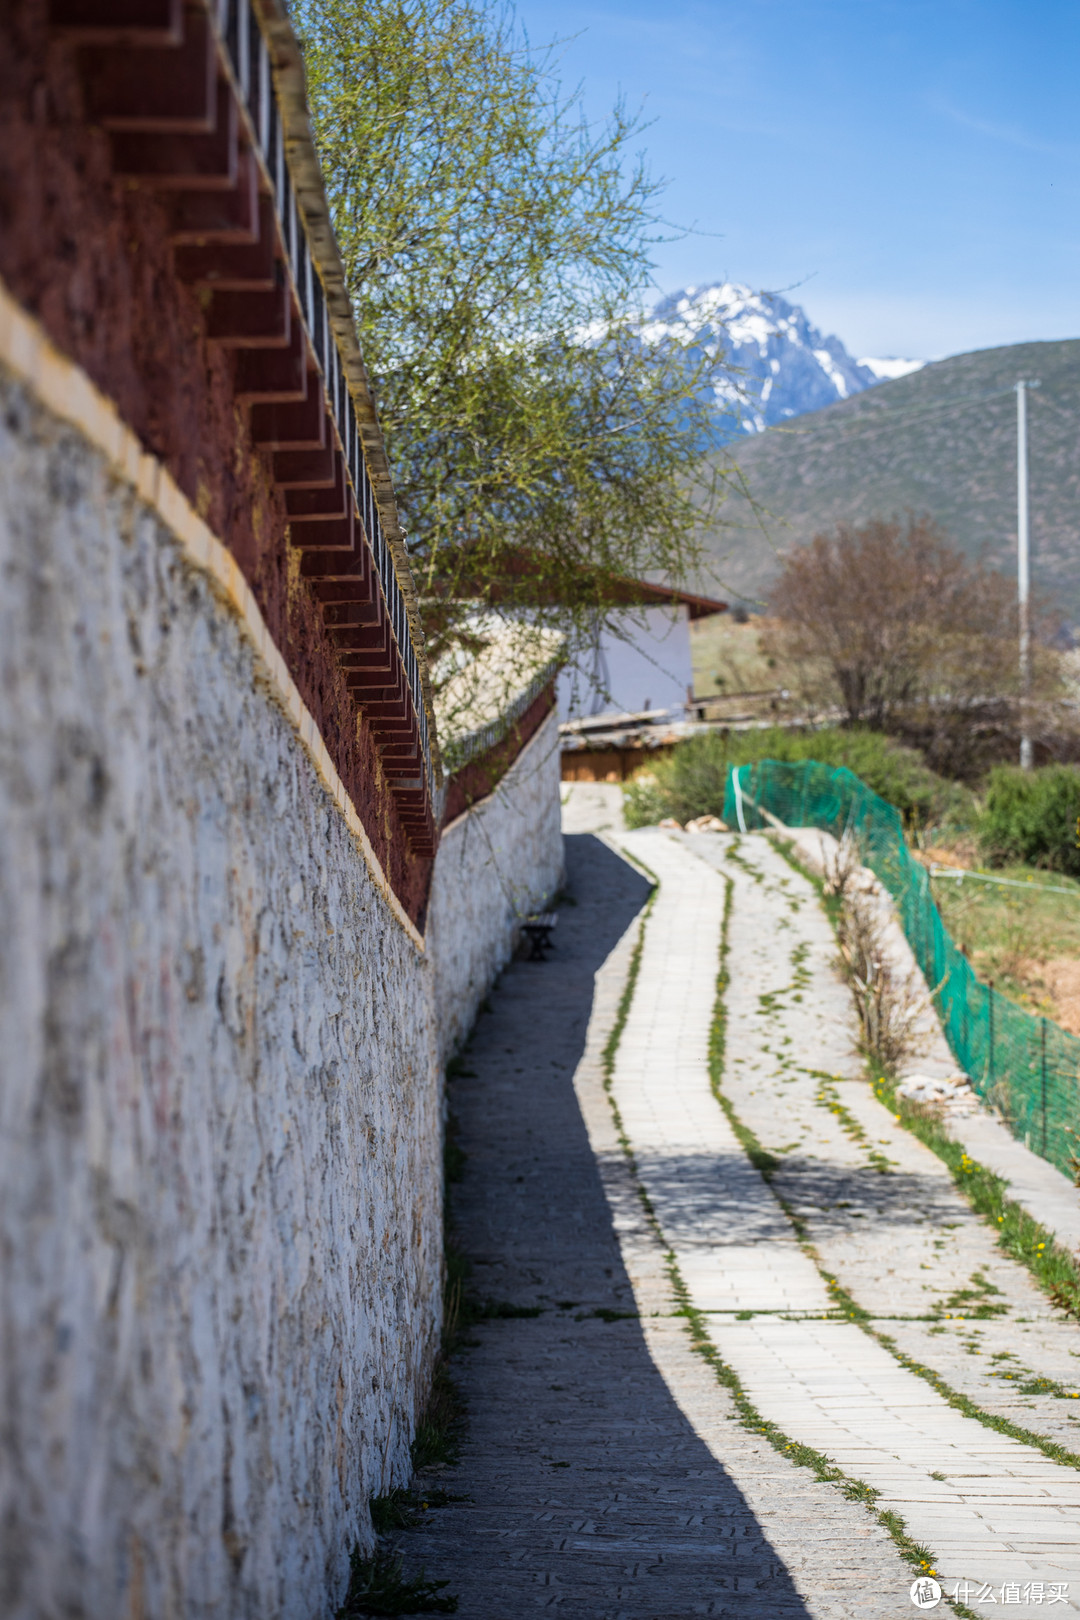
(1023, 571)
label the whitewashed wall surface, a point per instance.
(220, 1183)
(496, 862)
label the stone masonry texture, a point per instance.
(496, 863)
(90, 258)
(220, 1188)
(603, 1473)
(606, 1470)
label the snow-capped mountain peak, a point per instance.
(787, 365)
(888, 367)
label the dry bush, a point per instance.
(913, 638)
(891, 1008)
(840, 870)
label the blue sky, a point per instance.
(914, 166)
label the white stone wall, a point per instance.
(220, 1165)
(496, 862)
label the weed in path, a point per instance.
(439, 1432)
(377, 1586)
(828, 1097)
(1019, 1234)
(403, 1509)
(397, 1510)
(734, 853)
(496, 1310)
(975, 1301)
(918, 1556)
(830, 900)
(1034, 1384)
(762, 1160)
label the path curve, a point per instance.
(992, 1509)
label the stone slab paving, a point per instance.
(879, 1207)
(592, 807)
(1038, 1186)
(605, 1471)
(1001, 1510)
(993, 1363)
(606, 1468)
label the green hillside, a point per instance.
(943, 441)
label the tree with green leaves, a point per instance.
(498, 249)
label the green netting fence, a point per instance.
(1027, 1067)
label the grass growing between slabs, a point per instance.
(822, 1467)
(1019, 1234)
(828, 1097)
(969, 1408)
(919, 1557)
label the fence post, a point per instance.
(990, 1015)
(1043, 1022)
(737, 791)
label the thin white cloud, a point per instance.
(1009, 134)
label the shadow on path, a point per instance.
(588, 1489)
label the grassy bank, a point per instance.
(1023, 940)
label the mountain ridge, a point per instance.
(940, 440)
(786, 365)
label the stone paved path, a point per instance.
(606, 1469)
(899, 1238)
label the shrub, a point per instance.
(645, 802)
(691, 780)
(1030, 816)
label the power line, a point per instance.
(892, 416)
(851, 426)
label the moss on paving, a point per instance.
(822, 1467)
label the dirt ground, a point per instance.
(1022, 935)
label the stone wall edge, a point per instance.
(65, 389)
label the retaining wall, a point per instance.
(220, 1193)
(497, 861)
